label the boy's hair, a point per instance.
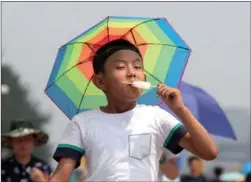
(191, 159)
(104, 52)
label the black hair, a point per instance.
(104, 52)
(192, 158)
(218, 171)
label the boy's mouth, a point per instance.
(140, 84)
(129, 84)
(131, 81)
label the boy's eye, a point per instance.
(138, 67)
(120, 67)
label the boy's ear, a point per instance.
(98, 81)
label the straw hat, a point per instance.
(24, 128)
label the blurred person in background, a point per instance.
(82, 171)
(218, 171)
(168, 167)
(22, 139)
(202, 166)
(246, 168)
(196, 169)
(248, 177)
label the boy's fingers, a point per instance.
(166, 93)
(163, 91)
(160, 89)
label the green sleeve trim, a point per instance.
(71, 147)
(171, 134)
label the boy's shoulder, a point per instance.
(150, 108)
(86, 115)
(96, 114)
(156, 111)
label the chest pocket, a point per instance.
(140, 145)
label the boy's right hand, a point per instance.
(62, 173)
(38, 176)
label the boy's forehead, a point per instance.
(125, 55)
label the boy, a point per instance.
(124, 141)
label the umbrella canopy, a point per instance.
(164, 53)
(206, 110)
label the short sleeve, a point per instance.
(171, 131)
(71, 143)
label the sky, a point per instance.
(217, 32)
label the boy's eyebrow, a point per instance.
(124, 61)
(118, 60)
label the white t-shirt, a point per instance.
(121, 147)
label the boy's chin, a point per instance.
(133, 95)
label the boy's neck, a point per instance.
(118, 107)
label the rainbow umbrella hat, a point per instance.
(165, 56)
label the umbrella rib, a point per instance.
(82, 62)
(108, 28)
(84, 94)
(153, 76)
(138, 25)
(80, 43)
(133, 38)
(89, 47)
(162, 45)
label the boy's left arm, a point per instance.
(196, 139)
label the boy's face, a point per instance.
(122, 66)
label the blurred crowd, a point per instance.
(196, 173)
(23, 138)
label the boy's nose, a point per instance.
(131, 72)
(131, 75)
